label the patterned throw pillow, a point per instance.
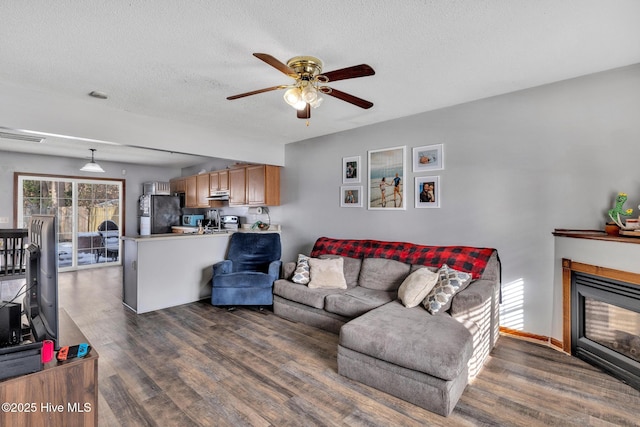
(301, 274)
(449, 283)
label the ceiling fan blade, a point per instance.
(306, 113)
(283, 68)
(255, 92)
(361, 70)
(362, 103)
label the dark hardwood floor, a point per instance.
(198, 365)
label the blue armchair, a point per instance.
(246, 277)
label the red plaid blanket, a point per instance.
(461, 258)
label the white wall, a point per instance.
(134, 177)
(517, 166)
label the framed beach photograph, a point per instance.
(387, 178)
(350, 169)
(428, 158)
(427, 191)
(351, 196)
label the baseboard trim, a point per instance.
(551, 342)
(556, 343)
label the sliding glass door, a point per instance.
(89, 216)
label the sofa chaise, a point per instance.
(402, 349)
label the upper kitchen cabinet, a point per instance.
(202, 190)
(177, 185)
(218, 181)
(263, 185)
(237, 187)
(250, 185)
(192, 188)
(254, 185)
(191, 192)
(224, 180)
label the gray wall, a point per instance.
(134, 175)
(517, 166)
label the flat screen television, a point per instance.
(41, 302)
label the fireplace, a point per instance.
(605, 320)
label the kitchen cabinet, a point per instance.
(237, 187)
(202, 190)
(214, 182)
(263, 185)
(195, 189)
(224, 180)
(218, 180)
(254, 185)
(177, 185)
(190, 192)
(251, 185)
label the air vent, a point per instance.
(21, 137)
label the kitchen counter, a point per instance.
(165, 270)
(174, 236)
(245, 228)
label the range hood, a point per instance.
(220, 195)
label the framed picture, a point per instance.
(386, 178)
(427, 191)
(351, 196)
(428, 158)
(350, 169)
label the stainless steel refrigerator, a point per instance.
(157, 214)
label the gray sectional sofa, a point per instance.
(426, 359)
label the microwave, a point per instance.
(192, 220)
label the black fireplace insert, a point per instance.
(605, 325)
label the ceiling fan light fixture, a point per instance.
(309, 94)
(293, 96)
(92, 166)
(310, 83)
(317, 102)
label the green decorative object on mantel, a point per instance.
(618, 210)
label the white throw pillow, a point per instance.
(326, 273)
(417, 286)
(301, 274)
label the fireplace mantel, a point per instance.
(594, 235)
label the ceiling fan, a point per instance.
(310, 83)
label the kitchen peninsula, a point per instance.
(165, 270)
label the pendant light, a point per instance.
(92, 166)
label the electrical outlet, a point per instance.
(4, 220)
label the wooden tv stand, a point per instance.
(62, 394)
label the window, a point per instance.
(89, 215)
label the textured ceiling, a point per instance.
(168, 66)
